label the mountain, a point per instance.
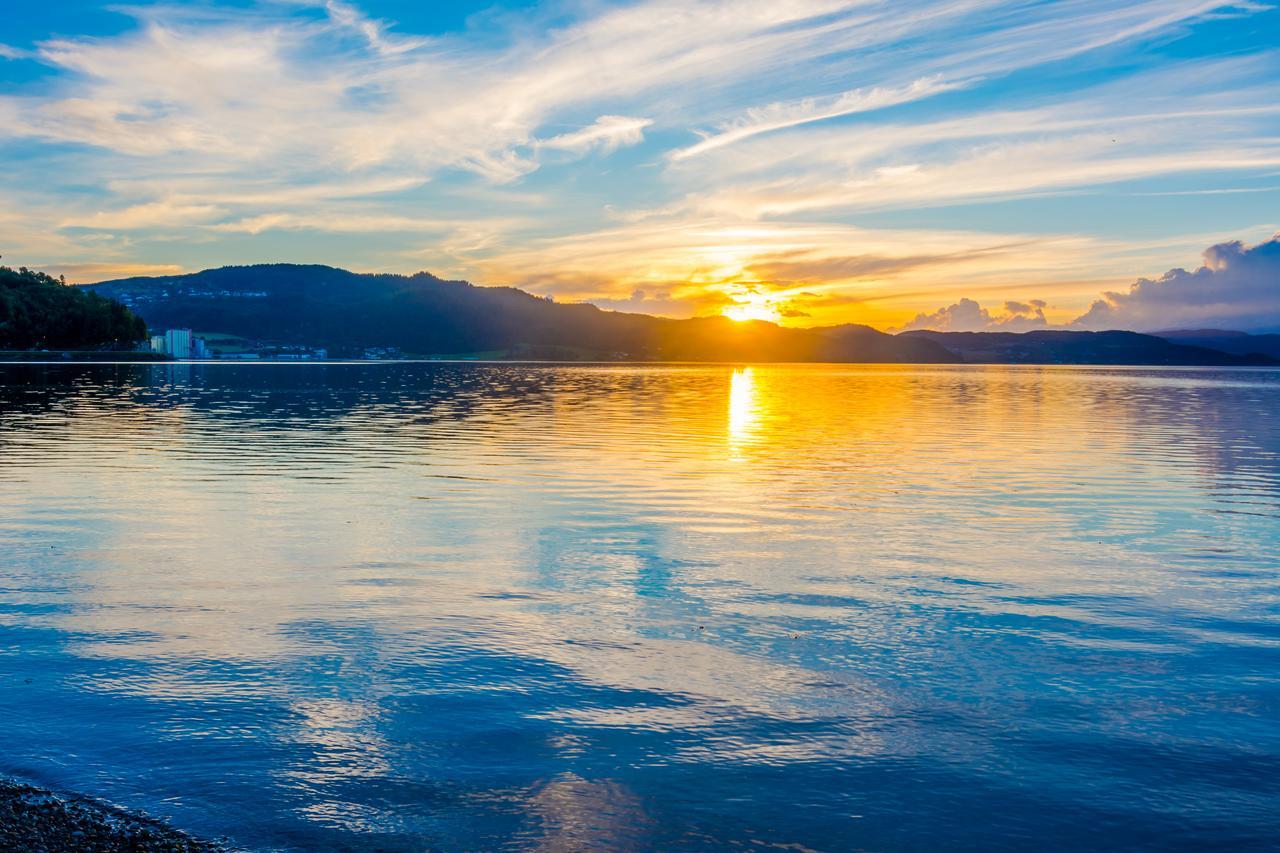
(424, 315)
(39, 311)
(346, 312)
(1060, 347)
(1236, 343)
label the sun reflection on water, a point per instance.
(744, 409)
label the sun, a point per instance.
(753, 307)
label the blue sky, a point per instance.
(813, 161)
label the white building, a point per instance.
(177, 343)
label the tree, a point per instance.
(38, 311)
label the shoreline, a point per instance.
(37, 819)
(82, 357)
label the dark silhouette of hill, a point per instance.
(1063, 347)
(38, 311)
(1236, 343)
(425, 315)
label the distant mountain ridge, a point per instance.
(1223, 340)
(425, 315)
(1068, 347)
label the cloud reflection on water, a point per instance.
(541, 597)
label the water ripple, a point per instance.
(448, 606)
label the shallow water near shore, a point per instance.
(462, 606)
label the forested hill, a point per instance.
(425, 315)
(1068, 347)
(38, 311)
(1236, 343)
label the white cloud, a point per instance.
(149, 215)
(1208, 116)
(969, 316)
(347, 220)
(782, 115)
(375, 32)
(607, 134)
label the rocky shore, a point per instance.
(38, 821)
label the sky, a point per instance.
(953, 164)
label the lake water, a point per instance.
(470, 607)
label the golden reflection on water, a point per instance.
(409, 520)
(744, 409)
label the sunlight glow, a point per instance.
(754, 307)
(744, 408)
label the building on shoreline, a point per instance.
(179, 343)
(174, 342)
(185, 344)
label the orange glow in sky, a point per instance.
(755, 307)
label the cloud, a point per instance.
(607, 134)
(148, 215)
(1020, 308)
(969, 316)
(375, 32)
(294, 222)
(1196, 118)
(648, 301)
(9, 52)
(779, 116)
(328, 135)
(818, 266)
(702, 262)
(1238, 287)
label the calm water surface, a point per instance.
(472, 607)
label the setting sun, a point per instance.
(754, 308)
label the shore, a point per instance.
(81, 356)
(36, 820)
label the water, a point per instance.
(471, 607)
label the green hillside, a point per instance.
(38, 311)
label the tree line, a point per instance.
(38, 311)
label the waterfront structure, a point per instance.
(177, 343)
(184, 344)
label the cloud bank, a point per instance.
(1236, 288)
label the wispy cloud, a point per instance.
(1208, 117)
(147, 215)
(607, 134)
(374, 31)
(779, 116)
